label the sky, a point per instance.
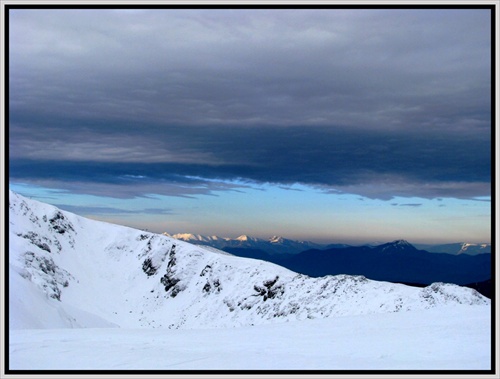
(331, 125)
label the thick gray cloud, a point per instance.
(380, 103)
(362, 68)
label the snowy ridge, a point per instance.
(478, 248)
(458, 248)
(93, 274)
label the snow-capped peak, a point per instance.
(242, 238)
(273, 245)
(189, 237)
(478, 248)
(276, 239)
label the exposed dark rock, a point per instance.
(142, 237)
(207, 269)
(148, 268)
(47, 265)
(270, 289)
(60, 224)
(169, 280)
(37, 241)
(53, 277)
(207, 287)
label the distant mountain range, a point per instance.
(280, 245)
(397, 261)
(274, 245)
(457, 248)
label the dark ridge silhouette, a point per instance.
(398, 262)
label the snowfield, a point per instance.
(448, 338)
(85, 294)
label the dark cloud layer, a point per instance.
(430, 164)
(379, 103)
(407, 205)
(111, 210)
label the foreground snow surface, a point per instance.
(450, 338)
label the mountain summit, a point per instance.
(398, 245)
(276, 239)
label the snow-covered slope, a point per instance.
(83, 273)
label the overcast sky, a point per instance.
(154, 113)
